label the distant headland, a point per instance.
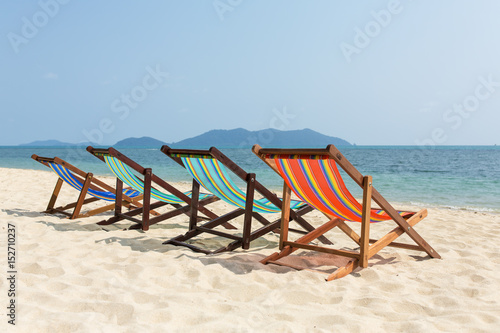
(234, 138)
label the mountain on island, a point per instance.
(242, 138)
(235, 138)
(52, 143)
(145, 141)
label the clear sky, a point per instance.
(370, 72)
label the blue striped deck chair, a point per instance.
(313, 175)
(142, 179)
(86, 184)
(212, 169)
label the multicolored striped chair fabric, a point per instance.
(318, 182)
(71, 179)
(214, 177)
(126, 175)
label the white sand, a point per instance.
(73, 276)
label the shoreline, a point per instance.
(476, 210)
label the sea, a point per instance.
(454, 177)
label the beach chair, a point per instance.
(86, 184)
(312, 174)
(210, 168)
(123, 168)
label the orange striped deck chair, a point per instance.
(313, 176)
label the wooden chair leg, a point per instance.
(285, 215)
(146, 201)
(81, 197)
(55, 193)
(118, 197)
(365, 221)
(247, 222)
(344, 270)
(195, 197)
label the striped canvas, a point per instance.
(69, 178)
(214, 177)
(318, 182)
(126, 175)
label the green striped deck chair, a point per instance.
(125, 170)
(85, 184)
(212, 169)
(313, 175)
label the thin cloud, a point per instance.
(51, 76)
(109, 81)
(428, 107)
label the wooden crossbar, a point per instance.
(345, 253)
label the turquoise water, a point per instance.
(462, 177)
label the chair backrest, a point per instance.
(211, 169)
(123, 172)
(214, 177)
(315, 179)
(69, 174)
(70, 179)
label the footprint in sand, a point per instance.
(408, 307)
(477, 278)
(297, 297)
(215, 282)
(159, 316)
(222, 308)
(133, 271)
(144, 298)
(369, 302)
(445, 302)
(120, 312)
(392, 287)
(56, 286)
(79, 280)
(39, 270)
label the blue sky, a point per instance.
(370, 72)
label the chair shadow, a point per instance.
(82, 224)
(65, 225)
(243, 263)
(239, 262)
(137, 244)
(23, 213)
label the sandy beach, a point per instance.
(76, 276)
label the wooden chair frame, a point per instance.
(368, 247)
(149, 178)
(89, 182)
(252, 186)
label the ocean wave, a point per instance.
(430, 171)
(455, 207)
